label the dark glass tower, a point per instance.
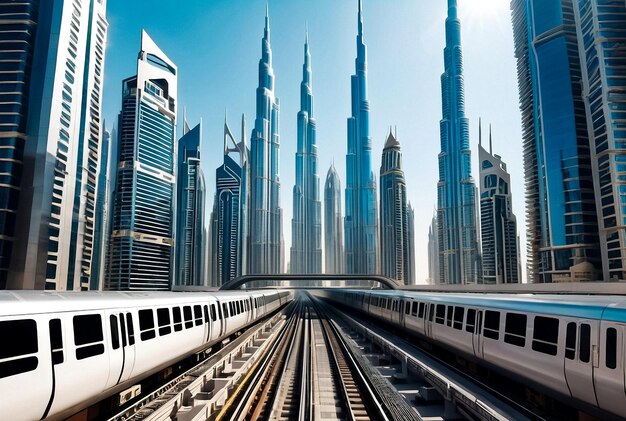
(306, 225)
(456, 201)
(333, 223)
(361, 225)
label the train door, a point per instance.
(610, 374)
(477, 337)
(128, 345)
(428, 320)
(116, 350)
(581, 343)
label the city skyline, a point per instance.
(331, 124)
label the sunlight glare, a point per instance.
(482, 10)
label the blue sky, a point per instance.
(217, 45)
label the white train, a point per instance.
(571, 347)
(61, 352)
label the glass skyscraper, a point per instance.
(333, 223)
(101, 230)
(306, 225)
(52, 243)
(140, 252)
(265, 228)
(433, 252)
(361, 225)
(562, 224)
(456, 202)
(190, 200)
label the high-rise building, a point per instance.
(410, 223)
(228, 219)
(601, 29)
(190, 200)
(55, 132)
(361, 231)
(306, 225)
(562, 223)
(265, 229)
(456, 202)
(433, 252)
(140, 251)
(333, 223)
(101, 231)
(394, 224)
(500, 257)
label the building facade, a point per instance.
(601, 30)
(500, 254)
(190, 199)
(410, 219)
(306, 225)
(142, 239)
(433, 252)
(394, 221)
(51, 246)
(265, 228)
(333, 224)
(562, 223)
(228, 220)
(361, 225)
(456, 202)
(101, 231)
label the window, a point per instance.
(431, 312)
(163, 316)
(441, 314)
(515, 329)
(225, 309)
(610, 348)
(131, 329)
(492, 325)
(115, 335)
(178, 321)
(213, 315)
(197, 310)
(570, 341)
(407, 307)
(545, 335)
(449, 318)
(56, 341)
(420, 312)
(584, 343)
(459, 313)
(146, 325)
(23, 341)
(188, 317)
(470, 321)
(206, 313)
(88, 336)
(414, 307)
(123, 328)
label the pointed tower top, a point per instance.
(480, 131)
(267, 19)
(361, 17)
(391, 140)
(306, 32)
(490, 141)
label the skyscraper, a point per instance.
(456, 201)
(433, 252)
(500, 258)
(394, 225)
(562, 225)
(228, 220)
(265, 229)
(306, 225)
(140, 252)
(333, 224)
(101, 231)
(190, 200)
(52, 229)
(601, 29)
(361, 231)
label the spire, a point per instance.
(480, 131)
(490, 141)
(267, 20)
(360, 18)
(452, 9)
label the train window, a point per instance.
(231, 310)
(570, 341)
(431, 312)
(213, 315)
(88, 336)
(449, 318)
(515, 329)
(163, 316)
(470, 321)
(146, 325)
(584, 343)
(205, 309)
(225, 310)
(130, 328)
(19, 337)
(459, 313)
(492, 325)
(407, 307)
(420, 311)
(545, 335)
(56, 341)
(123, 327)
(178, 320)
(414, 309)
(188, 317)
(441, 314)
(197, 311)
(610, 353)
(115, 335)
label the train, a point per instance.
(571, 347)
(62, 352)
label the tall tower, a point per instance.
(410, 221)
(394, 225)
(500, 258)
(333, 224)
(101, 231)
(456, 201)
(306, 225)
(361, 232)
(55, 172)
(265, 230)
(140, 252)
(190, 199)
(433, 252)
(562, 223)
(228, 220)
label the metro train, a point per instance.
(571, 347)
(61, 352)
